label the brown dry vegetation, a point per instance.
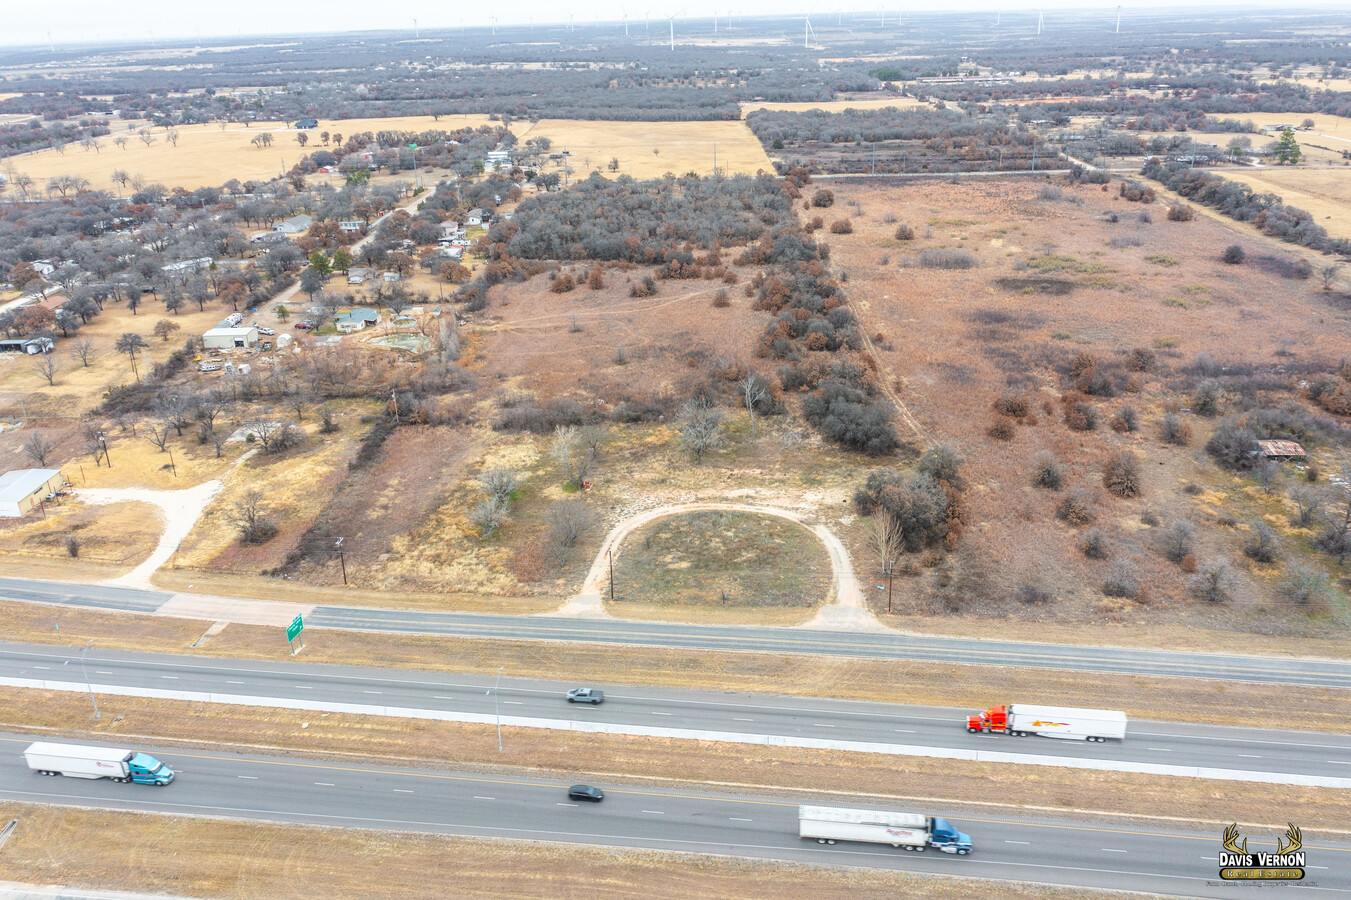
(87, 848)
(958, 340)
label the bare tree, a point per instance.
(569, 451)
(82, 349)
(885, 538)
(131, 343)
(1335, 539)
(1329, 275)
(159, 434)
(164, 328)
(146, 137)
(171, 135)
(1215, 581)
(753, 393)
(1267, 475)
(489, 515)
(47, 366)
(38, 448)
(700, 427)
(251, 518)
(1178, 540)
(568, 521)
(1307, 503)
(274, 436)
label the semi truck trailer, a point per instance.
(910, 831)
(79, 761)
(1050, 721)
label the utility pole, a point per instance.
(103, 439)
(86, 679)
(891, 571)
(611, 559)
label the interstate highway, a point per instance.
(1098, 854)
(1168, 743)
(1312, 672)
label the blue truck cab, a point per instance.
(943, 836)
(145, 769)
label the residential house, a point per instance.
(304, 124)
(294, 225)
(31, 346)
(44, 267)
(186, 267)
(477, 216)
(350, 225)
(356, 319)
(359, 275)
(392, 276)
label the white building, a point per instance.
(23, 489)
(237, 337)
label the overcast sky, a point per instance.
(30, 22)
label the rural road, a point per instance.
(773, 720)
(341, 793)
(1303, 671)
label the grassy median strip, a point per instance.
(890, 681)
(200, 857)
(132, 720)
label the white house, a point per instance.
(476, 216)
(350, 225)
(294, 225)
(187, 266)
(239, 337)
(356, 319)
(359, 275)
(23, 489)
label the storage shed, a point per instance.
(230, 338)
(23, 489)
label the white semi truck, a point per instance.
(912, 831)
(80, 761)
(1061, 722)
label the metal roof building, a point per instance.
(23, 489)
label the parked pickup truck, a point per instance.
(79, 761)
(586, 695)
(912, 831)
(1066, 723)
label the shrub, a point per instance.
(1126, 420)
(1303, 586)
(1215, 581)
(1173, 430)
(1121, 475)
(1142, 360)
(1001, 429)
(721, 300)
(1077, 507)
(1094, 544)
(1046, 472)
(1206, 399)
(1013, 405)
(1180, 213)
(1234, 254)
(905, 233)
(1031, 595)
(1231, 447)
(647, 287)
(1178, 540)
(947, 259)
(72, 544)
(823, 198)
(1121, 581)
(943, 462)
(1263, 544)
(1307, 503)
(488, 516)
(1080, 416)
(1149, 519)
(568, 521)
(842, 226)
(563, 283)
(847, 415)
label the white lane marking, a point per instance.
(476, 797)
(735, 819)
(1338, 762)
(173, 677)
(654, 812)
(1211, 858)
(735, 719)
(101, 672)
(234, 682)
(565, 804)
(439, 697)
(1250, 756)
(304, 687)
(324, 783)
(402, 791)
(1230, 740)
(42, 667)
(905, 730)
(1018, 842)
(372, 692)
(822, 725)
(1162, 749)
(660, 713)
(1110, 850)
(513, 702)
(1315, 867)
(249, 777)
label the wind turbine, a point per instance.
(626, 24)
(416, 33)
(672, 19)
(883, 13)
(807, 32)
(1118, 20)
(494, 24)
(1038, 20)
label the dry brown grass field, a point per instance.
(834, 106)
(953, 341)
(209, 155)
(1325, 193)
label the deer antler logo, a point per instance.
(1231, 840)
(1296, 840)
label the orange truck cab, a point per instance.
(993, 719)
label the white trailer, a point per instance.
(911, 831)
(1065, 723)
(81, 761)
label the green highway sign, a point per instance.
(294, 629)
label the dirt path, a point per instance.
(180, 511)
(845, 612)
